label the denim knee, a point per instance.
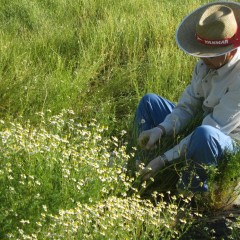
(152, 110)
(208, 144)
(203, 133)
(148, 98)
(204, 145)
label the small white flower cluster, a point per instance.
(80, 172)
(113, 218)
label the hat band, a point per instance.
(234, 40)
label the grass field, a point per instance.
(95, 57)
(72, 73)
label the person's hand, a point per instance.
(147, 139)
(153, 167)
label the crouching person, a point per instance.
(212, 34)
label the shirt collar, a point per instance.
(228, 66)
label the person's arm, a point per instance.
(188, 105)
(178, 150)
(226, 115)
(164, 160)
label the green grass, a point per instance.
(65, 179)
(71, 75)
(96, 57)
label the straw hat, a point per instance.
(211, 30)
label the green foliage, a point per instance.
(224, 182)
(61, 174)
(64, 179)
(64, 54)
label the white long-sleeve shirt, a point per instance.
(217, 93)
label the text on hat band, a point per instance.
(234, 40)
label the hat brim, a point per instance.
(185, 34)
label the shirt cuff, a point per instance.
(179, 150)
(162, 128)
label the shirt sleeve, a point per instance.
(226, 115)
(179, 150)
(188, 105)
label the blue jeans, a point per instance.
(206, 147)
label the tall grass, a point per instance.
(63, 174)
(96, 57)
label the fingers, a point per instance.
(153, 167)
(140, 167)
(151, 143)
(149, 171)
(146, 173)
(143, 139)
(145, 170)
(148, 138)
